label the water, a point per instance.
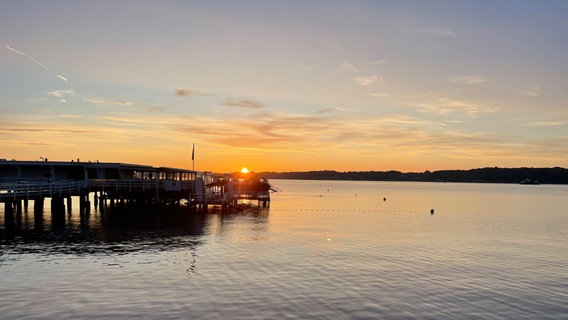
(324, 250)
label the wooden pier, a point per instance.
(118, 184)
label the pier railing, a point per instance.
(140, 185)
(39, 189)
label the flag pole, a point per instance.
(193, 157)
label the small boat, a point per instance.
(529, 181)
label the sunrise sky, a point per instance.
(286, 85)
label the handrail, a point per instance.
(28, 190)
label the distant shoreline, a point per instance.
(554, 175)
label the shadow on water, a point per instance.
(118, 230)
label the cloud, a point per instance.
(181, 92)
(62, 94)
(348, 67)
(46, 130)
(444, 106)
(366, 80)
(532, 92)
(378, 61)
(62, 78)
(547, 123)
(379, 94)
(98, 101)
(249, 104)
(331, 109)
(468, 79)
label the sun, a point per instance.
(245, 170)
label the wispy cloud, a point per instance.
(330, 109)
(99, 101)
(443, 105)
(62, 94)
(549, 123)
(182, 92)
(366, 80)
(472, 79)
(44, 130)
(348, 67)
(379, 94)
(377, 62)
(248, 104)
(532, 92)
(123, 103)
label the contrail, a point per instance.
(27, 56)
(34, 60)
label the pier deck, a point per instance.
(116, 183)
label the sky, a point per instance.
(286, 85)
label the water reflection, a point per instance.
(121, 229)
(124, 230)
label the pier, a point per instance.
(120, 184)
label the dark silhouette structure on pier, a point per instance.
(117, 184)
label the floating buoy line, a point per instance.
(350, 210)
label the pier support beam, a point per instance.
(38, 214)
(69, 205)
(84, 203)
(9, 218)
(9, 208)
(38, 205)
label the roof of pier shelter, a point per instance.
(4, 162)
(118, 165)
(167, 169)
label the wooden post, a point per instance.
(8, 208)
(38, 205)
(9, 216)
(69, 206)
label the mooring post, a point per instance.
(38, 205)
(8, 215)
(26, 205)
(18, 205)
(8, 208)
(87, 203)
(69, 207)
(38, 214)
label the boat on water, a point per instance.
(529, 181)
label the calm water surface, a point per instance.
(324, 250)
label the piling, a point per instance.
(38, 205)
(69, 206)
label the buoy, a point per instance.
(431, 211)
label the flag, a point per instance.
(193, 152)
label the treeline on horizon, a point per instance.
(555, 175)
